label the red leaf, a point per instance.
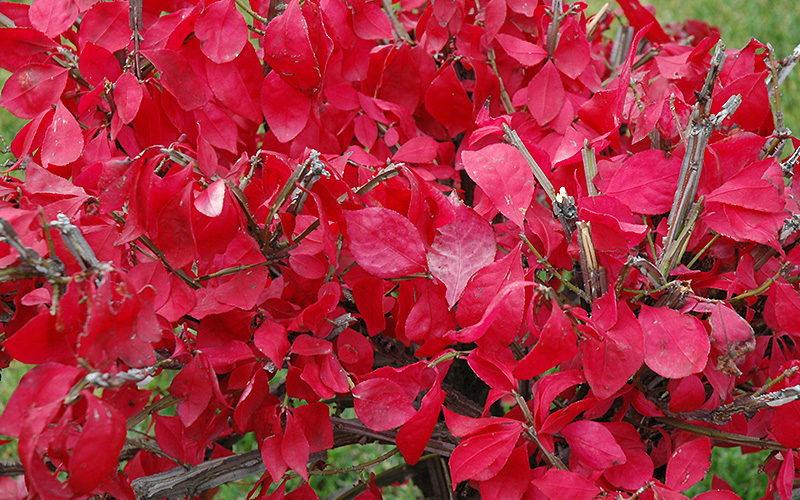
(565, 484)
(484, 286)
(211, 200)
(675, 345)
(421, 149)
(786, 476)
(786, 424)
(96, 452)
(285, 108)
(526, 53)
(287, 49)
(63, 140)
(610, 362)
(645, 182)
(178, 77)
(384, 243)
(546, 94)
(634, 473)
(107, 25)
(731, 336)
(573, 53)
(33, 89)
(493, 370)
(592, 444)
(448, 103)
(557, 342)
(222, 31)
(53, 17)
(513, 479)
(688, 464)
(502, 173)
(640, 17)
(128, 94)
(237, 84)
(482, 455)
(370, 21)
(413, 436)
(686, 394)
(382, 404)
(460, 249)
(720, 495)
(21, 46)
(42, 385)
(294, 446)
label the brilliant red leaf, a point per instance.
(526, 53)
(557, 342)
(32, 89)
(178, 77)
(546, 94)
(287, 49)
(53, 17)
(285, 109)
(96, 452)
(128, 94)
(63, 140)
(513, 479)
(565, 484)
(483, 287)
(609, 362)
(461, 249)
(413, 436)
(384, 243)
(718, 495)
(675, 345)
(382, 404)
(592, 444)
(421, 149)
(731, 337)
(648, 193)
(688, 464)
(237, 84)
(786, 424)
(107, 25)
(483, 455)
(447, 101)
(294, 446)
(503, 174)
(634, 473)
(222, 31)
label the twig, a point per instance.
(594, 275)
(530, 432)
(513, 138)
(504, 97)
(589, 166)
(242, 5)
(726, 437)
(764, 286)
(552, 270)
(703, 250)
(592, 25)
(399, 31)
(556, 10)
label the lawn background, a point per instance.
(773, 21)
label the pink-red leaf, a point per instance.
(53, 17)
(565, 484)
(96, 452)
(526, 53)
(128, 92)
(546, 94)
(460, 249)
(483, 455)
